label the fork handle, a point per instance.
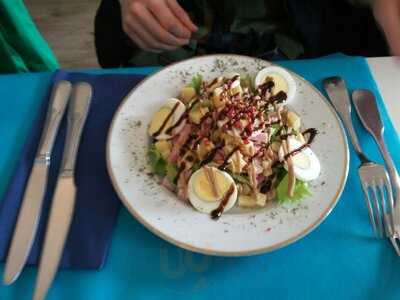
(393, 175)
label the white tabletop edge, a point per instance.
(386, 72)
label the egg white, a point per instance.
(311, 169)
(206, 206)
(270, 71)
(179, 111)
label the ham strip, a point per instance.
(178, 142)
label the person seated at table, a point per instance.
(159, 32)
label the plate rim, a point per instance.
(213, 252)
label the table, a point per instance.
(385, 70)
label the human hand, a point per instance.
(387, 13)
(156, 25)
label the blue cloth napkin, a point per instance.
(97, 205)
(340, 259)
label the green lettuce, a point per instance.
(172, 172)
(240, 178)
(300, 190)
(196, 83)
(274, 131)
(160, 166)
(157, 162)
(247, 81)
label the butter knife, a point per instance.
(64, 197)
(30, 211)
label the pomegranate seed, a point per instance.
(246, 141)
(238, 124)
(231, 113)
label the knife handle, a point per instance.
(337, 91)
(77, 114)
(59, 99)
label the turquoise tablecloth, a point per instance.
(338, 260)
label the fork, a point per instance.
(374, 178)
(367, 110)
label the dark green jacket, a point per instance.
(270, 29)
(22, 48)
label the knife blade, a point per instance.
(63, 203)
(30, 211)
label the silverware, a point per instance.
(374, 178)
(368, 112)
(30, 211)
(64, 197)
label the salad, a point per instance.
(233, 141)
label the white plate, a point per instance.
(237, 233)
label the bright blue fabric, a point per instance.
(338, 260)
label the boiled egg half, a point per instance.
(306, 165)
(282, 79)
(173, 109)
(203, 196)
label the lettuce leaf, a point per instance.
(300, 190)
(274, 130)
(157, 162)
(247, 81)
(196, 166)
(160, 166)
(172, 172)
(240, 178)
(196, 83)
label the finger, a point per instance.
(133, 36)
(182, 15)
(168, 20)
(153, 26)
(138, 28)
(140, 43)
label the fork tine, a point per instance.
(387, 206)
(389, 193)
(369, 206)
(386, 212)
(379, 210)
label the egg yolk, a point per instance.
(203, 188)
(159, 118)
(280, 83)
(301, 160)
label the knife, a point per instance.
(30, 211)
(63, 202)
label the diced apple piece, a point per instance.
(164, 147)
(261, 199)
(236, 163)
(187, 94)
(247, 149)
(247, 201)
(217, 98)
(237, 89)
(196, 114)
(293, 120)
(204, 148)
(216, 84)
